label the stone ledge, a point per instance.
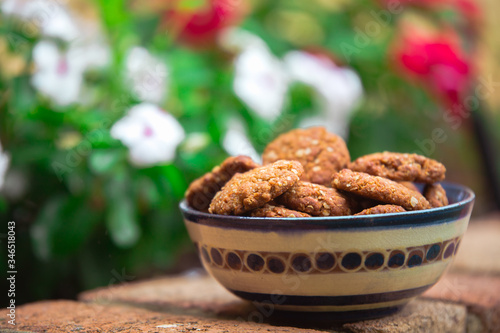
(203, 296)
(479, 250)
(480, 293)
(418, 316)
(195, 293)
(70, 316)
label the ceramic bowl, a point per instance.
(353, 266)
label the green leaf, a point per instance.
(3, 205)
(62, 227)
(147, 191)
(114, 13)
(122, 222)
(24, 98)
(189, 5)
(42, 229)
(104, 160)
(78, 221)
(175, 179)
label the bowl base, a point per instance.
(328, 319)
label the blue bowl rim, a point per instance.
(461, 206)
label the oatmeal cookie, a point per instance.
(254, 188)
(399, 166)
(315, 199)
(436, 195)
(382, 209)
(276, 211)
(321, 153)
(202, 190)
(380, 189)
(409, 185)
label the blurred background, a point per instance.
(110, 108)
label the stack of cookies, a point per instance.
(308, 172)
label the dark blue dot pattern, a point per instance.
(301, 263)
(414, 260)
(276, 265)
(233, 261)
(433, 252)
(324, 262)
(397, 259)
(351, 261)
(448, 252)
(216, 256)
(374, 261)
(255, 262)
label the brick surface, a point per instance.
(480, 293)
(418, 316)
(193, 293)
(70, 316)
(479, 251)
(204, 296)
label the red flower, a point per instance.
(437, 62)
(199, 27)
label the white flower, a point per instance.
(59, 74)
(236, 141)
(151, 134)
(51, 17)
(260, 81)
(147, 75)
(4, 164)
(236, 39)
(195, 142)
(15, 184)
(340, 88)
